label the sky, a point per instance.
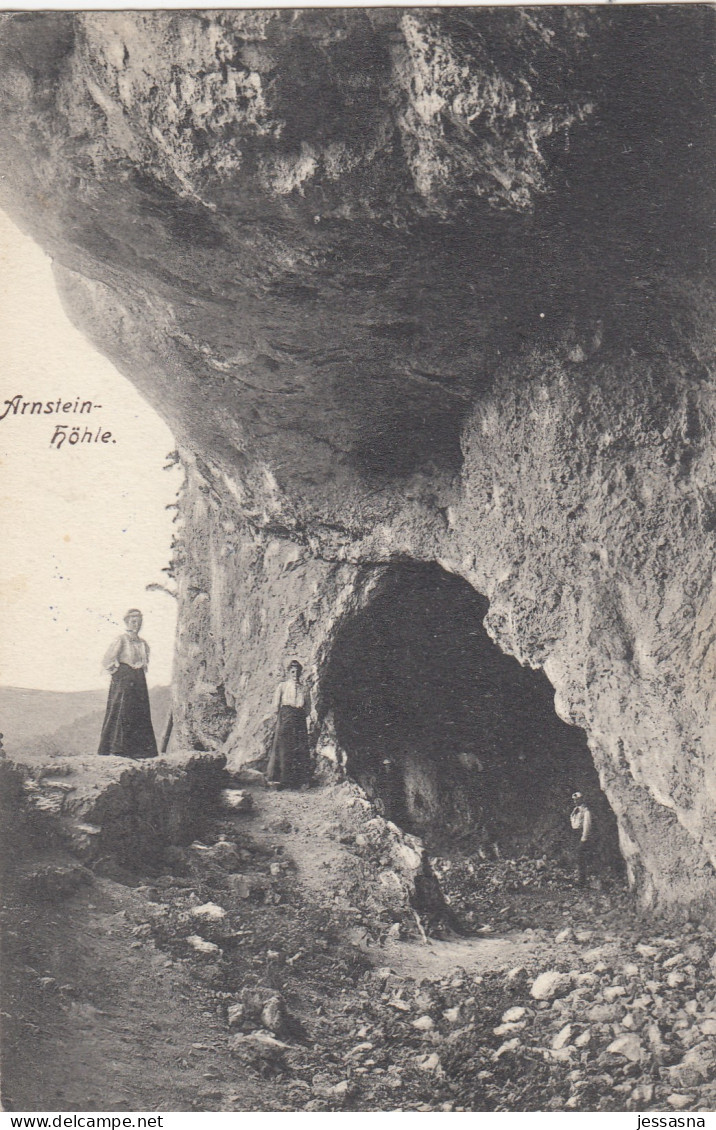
(84, 526)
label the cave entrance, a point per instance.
(455, 740)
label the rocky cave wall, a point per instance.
(400, 668)
(250, 601)
(424, 285)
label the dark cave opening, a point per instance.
(455, 740)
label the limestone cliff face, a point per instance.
(249, 599)
(422, 285)
(587, 518)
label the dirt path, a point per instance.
(304, 824)
(104, 1020)
(438, 959)
(120, 1026)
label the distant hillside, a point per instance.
(63, 722)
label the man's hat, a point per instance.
(577, 796)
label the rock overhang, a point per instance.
(312, 237)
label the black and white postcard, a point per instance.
(358, 488)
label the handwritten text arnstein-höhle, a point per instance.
(72, 434)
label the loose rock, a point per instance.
(551, 984)
(274, 1015)
(236, 800)
(210, 911)
(201, 945)
(424, 1023)
(629, 1046)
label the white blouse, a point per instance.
(581, 820)
(293, 694)
(131, 650)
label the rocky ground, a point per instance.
(258, 969)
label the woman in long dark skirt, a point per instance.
(290, 760)
(127, 729)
